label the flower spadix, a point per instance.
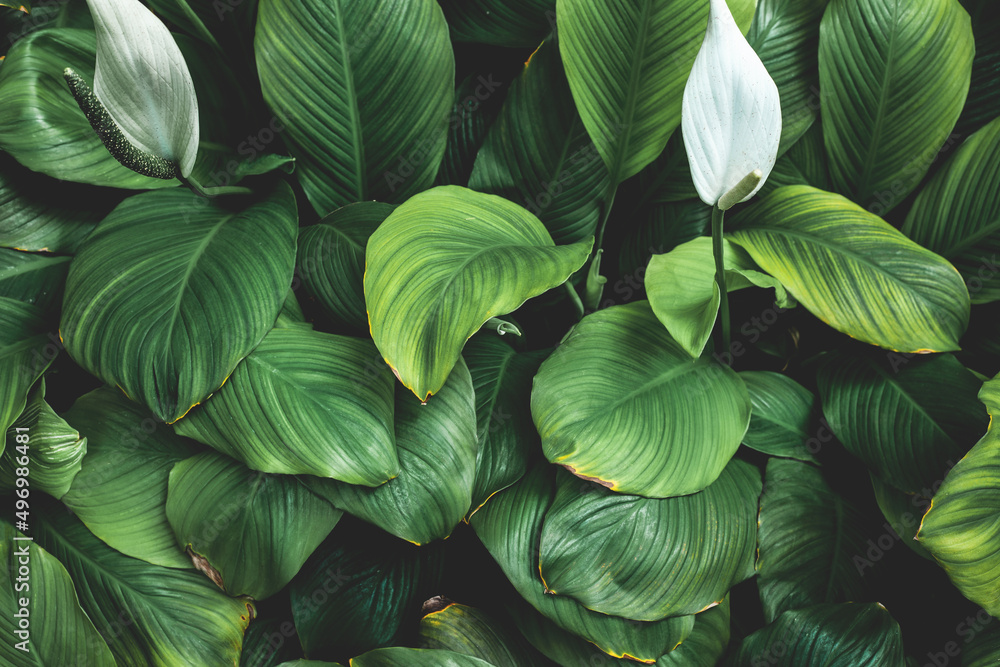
(730, 114)
(142, 82)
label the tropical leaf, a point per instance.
(855, 272)
(981, 649)
(413, 657)
(456, 627)
(170, 292)
(658, 227)
(437, 466)
(121, 489)
(304, 402)
(780, 417)
(24, 355)
(908, 420)
(250, 532)
(386, 69)
(803, 164)
(158, 616)
(645, 558)
(620, 402)
(894, 78)
(35, 279)
(961, 529)
(627, 66)
(809, 538)
(54, 451)
(957, 214)
(510, 526)
(473, 113)
(902, 512)
(503, 23)
(270, 642)
(539, 155)
(331, 261)
(835, 635)
(444, 263)
(984, 91)
(56, 631)
(706, 644)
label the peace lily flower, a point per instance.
(143, 105)
(730, 115)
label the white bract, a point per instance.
(730, 114)
(143, 81)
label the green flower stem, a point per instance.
(720, 276)
(192, 183)
(574, 296)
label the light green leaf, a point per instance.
(957, 214)
(961, 529)
(24, 355)
(413, 657)
(304, 402)
(386, 71)
(645, 558)
(781, 415)
(894, 77)
(250, 532)
(444, 263)
(170, 292)
(620, 402)
(509, 23)
(855, 272)
(121, 489)
(462, 629)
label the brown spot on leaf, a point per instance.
(435, 604)
(202, 564)
(598, 480)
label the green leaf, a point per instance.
(170, 292)
(809, 538)
(781, 416)
(270, 641)
(957, 214)
(902, 512)
(803, 164)
(121, 489)
(683, 292)
(539, 155)
(437, 460)
(413, 657)
(462, 629)
(54, 448)
(656, 227)
(620, 402)
(59, 631)
(627, 66)
(473, 112)
(961, 529)
(35, 279)
(834, 635)
(855, 272)
(444, 263)
(706, 644)
(355, 591)
(984, 91)
(907, 420)
(510, 526)
(304, 402)
(24, 355)
(645, 558)
(510, 23)
(331, 261)
(982, 649)
(158, 616)
(894, 77)
(386, 72)
(249, 531)
(502, 380)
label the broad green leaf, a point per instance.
(894, 77)
(961, 529)
(270, 641)
(502, 380)
(35, 279)
(386, 72)
(627, 65)
(304, 402)
(354, 592)
(781, 415)
(437, 466)
(908, 420)
(683, 292)
(444, 263)
(25, 352)
(249, 531)
(621, 403)
(170, 292)
(707, 642)
(509, 23)
(984, 90)
(855, 272)
(473, 112)
(58, 631)
(902, 512)
(803, 164)
(413, 657)
(159, 616)
(834, 635)
(981, 649)
(648, 558)
(54, 449)
(121, 489)
(510, 526)
(809, 539)
(331, 261)
(656, 228)
(462, 629)
(957, 214)
(538, 153)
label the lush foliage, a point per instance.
(293, 290)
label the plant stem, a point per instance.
(720, 276)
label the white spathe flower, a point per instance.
(730, 114)
(143, 81)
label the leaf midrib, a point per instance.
(876, 138)
(631, 94)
